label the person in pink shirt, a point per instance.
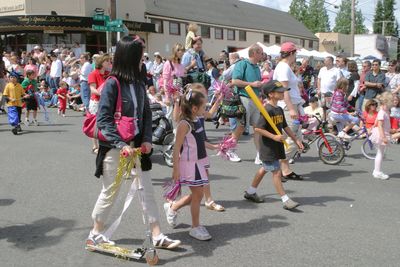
(173, 72)
(31, 66)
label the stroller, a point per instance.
(163, 136)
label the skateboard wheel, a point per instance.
(151, 258)
(89, 245)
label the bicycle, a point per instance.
(330, 151)
(368, 148)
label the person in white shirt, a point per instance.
(341, 64)
(327, 78)
(86, 68)
(292, 103)
(55, 72)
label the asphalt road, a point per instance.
(47, 193)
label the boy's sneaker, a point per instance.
(290, 204)
(26, 122)
(19, 128)
(165, 242)
(380, 175)
(200, 233)
(343, 135)
(253, 197)
(14, 131)
(258, 161)
(233, 156)
(170, 214)
(94, 240)
(35, 122)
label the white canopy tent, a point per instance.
(274, 50)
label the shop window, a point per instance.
(231, 35)
(242, 35)
(159, 25)
(219, 33)
(174, 28)
(266, 38)
(310, 44)
(205, 31)
(277, 40)
(302, 42)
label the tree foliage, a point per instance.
(343, 19)
(384, 17)
(314, 15)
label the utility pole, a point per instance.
(353, 23)
(384, 25)
(111, 10)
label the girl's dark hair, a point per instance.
(128, 58)
(188, 100)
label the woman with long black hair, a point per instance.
(128, 70)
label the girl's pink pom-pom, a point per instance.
(172, 190)
(124, 154)
(227, 143)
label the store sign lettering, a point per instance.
(4, 9)
(47, 20)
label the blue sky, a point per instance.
(367, 7)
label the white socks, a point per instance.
(251, 190)
(284, 198)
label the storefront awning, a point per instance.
(41, 22)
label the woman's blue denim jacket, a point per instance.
(107, 105)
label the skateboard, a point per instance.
(150, 254)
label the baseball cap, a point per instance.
(56, 50)
(288, 47)
(273, 86)
(156, 53)
(36, 47)
(145, 54)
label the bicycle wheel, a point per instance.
(335, 156)
(368, 149)
(328, 136)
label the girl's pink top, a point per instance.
(168, 73)
(384, 116)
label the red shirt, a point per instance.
(97, 78)
(369, 119)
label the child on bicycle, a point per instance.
(339, 109)
(271, 145)
(312, 111)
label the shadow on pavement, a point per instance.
(320, 201)
(37, 234)
(6, 202)
(43, 131)
(223, 233)
(330, 176)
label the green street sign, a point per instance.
(117, 22)
(99, 28)
(101, 17)
(115, 29)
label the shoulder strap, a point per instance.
(118, 108)
(172, 66)
(186, 122)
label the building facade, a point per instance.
(334, 43)
(224, 24)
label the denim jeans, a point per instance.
(85, 94)
(54, 83)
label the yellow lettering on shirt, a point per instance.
(277, 119)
